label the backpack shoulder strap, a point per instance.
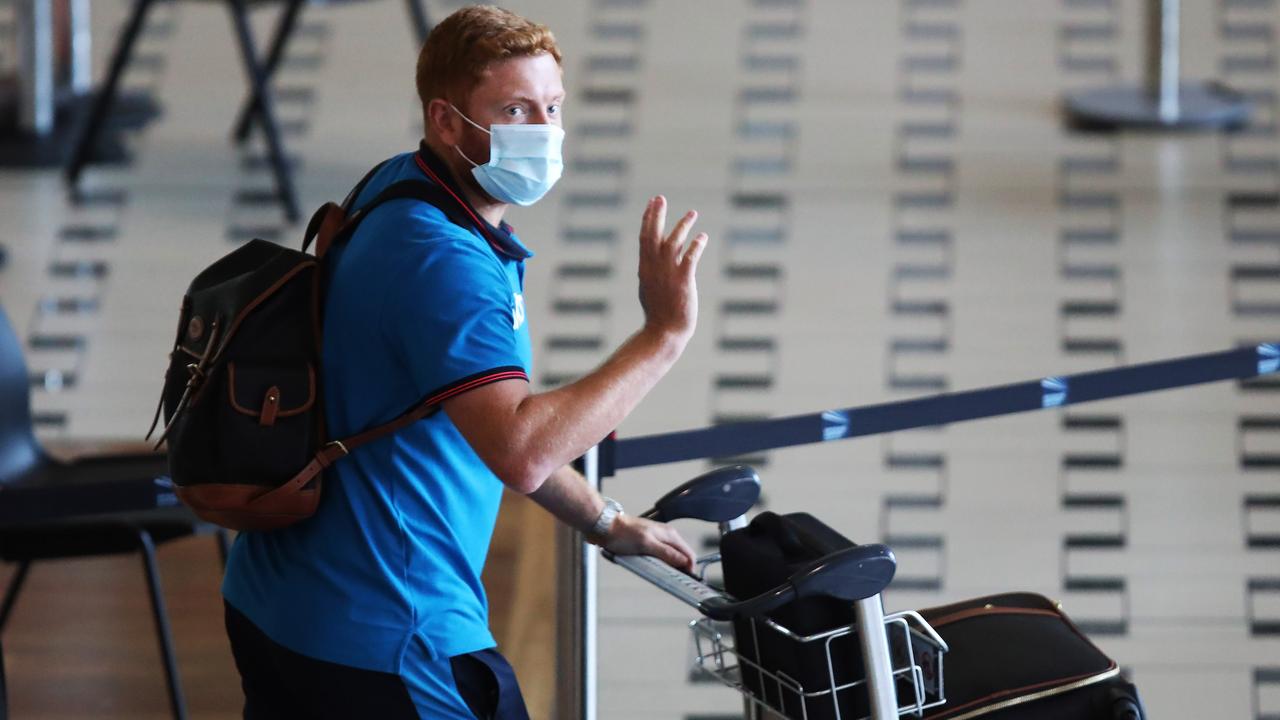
(333, 224)
(421, 190)
(335, 450)
(328, 218)
(425, 407)
(446, 202)
(432, 193)
(359, 188)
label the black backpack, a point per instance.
(243, 400)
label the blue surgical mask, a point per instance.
(524, 161)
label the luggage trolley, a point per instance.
(900, 653)
(879, 666)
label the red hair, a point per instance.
(465, 44)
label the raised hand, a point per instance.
(668, 288)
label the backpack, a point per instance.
(243, 394)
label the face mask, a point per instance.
(524, 161)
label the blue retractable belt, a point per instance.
(1057, 391)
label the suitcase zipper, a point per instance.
(1011, 702)
(990, 610)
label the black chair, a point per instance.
(102, 504)
(259, 105)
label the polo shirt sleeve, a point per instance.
(452, 318)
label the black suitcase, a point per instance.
(1017, 656)
(1014, 656)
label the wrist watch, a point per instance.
(612, 509)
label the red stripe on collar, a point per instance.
(480, 224)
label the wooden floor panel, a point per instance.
(81, 642)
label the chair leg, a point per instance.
(224, 546)
(87, 141)
(11, 593)
(266, 111)
(421, 24)
(284, 30)
(4, 692)
(163, 633)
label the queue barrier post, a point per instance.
(1163, 101)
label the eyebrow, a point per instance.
(531, 101)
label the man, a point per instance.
(374, 606)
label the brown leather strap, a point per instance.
(328, 455)
(330, 224)
(194, 382)
(415, 414)
(322, 214)
(177, 339)
(412, 416)
(270, 407)
(300, 480)
(428, 406)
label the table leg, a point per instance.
(106, 95)
(266, 112)
(284, 30)
(4, 694)
(421, 24)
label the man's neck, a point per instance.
(485, 206)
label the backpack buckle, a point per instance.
(338, 444)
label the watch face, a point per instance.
(610, 511)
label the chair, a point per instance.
(259, 105)
(102, 504)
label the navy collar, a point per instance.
(502, 238)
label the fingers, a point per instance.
(674, 557)
(658, 540)
(686, 552)
(694, 251)
(654, 221)
(650, 226)
(659, 219)
(675, 551)
(675, 240)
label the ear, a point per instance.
(442, 122)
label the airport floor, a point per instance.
(896, 209)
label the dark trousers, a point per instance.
(280, 684)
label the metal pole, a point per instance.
(34, 20)
(588, 616)
(81, 47)
(568, 632)
(576, 639)
(1163, 55)
(875, 659)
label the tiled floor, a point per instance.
(896, 210)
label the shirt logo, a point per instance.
(517, 311)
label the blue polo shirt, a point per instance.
(389, 566)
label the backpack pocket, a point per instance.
(268, 422)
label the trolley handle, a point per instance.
(850, 574)
(716, 496)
